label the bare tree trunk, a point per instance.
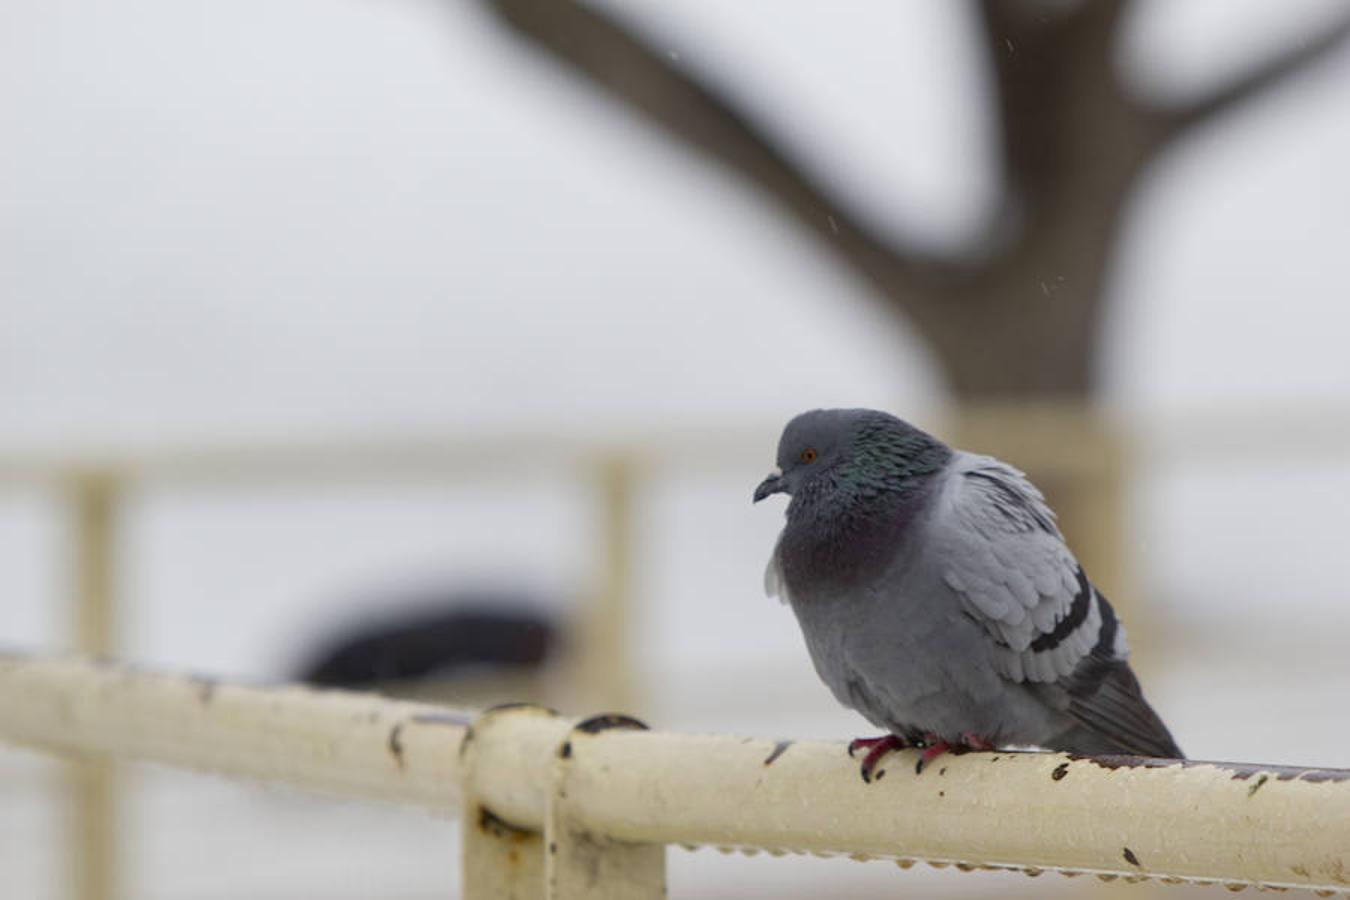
(1018, 312)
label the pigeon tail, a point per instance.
(1115, 718)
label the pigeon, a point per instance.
(939, 599)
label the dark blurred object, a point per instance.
(440, 641)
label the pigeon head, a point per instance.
(838, 447)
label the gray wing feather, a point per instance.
(1003, 555)
(1007, 562)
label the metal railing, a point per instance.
(558, 808)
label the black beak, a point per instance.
(771, 485)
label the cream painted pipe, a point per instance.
(352, 744)
(1229, 823)
(1236, 824)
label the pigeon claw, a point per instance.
(876, 748)
(930, 753)
(935, 747)
(866, 743)
(932, 746)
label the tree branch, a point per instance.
(1052, 79)
(1178, 119)
(1102, 18)
(636, 73)
(1008, 22)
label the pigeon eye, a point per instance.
(808, 455)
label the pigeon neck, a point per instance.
(847, 534)
(898, 461)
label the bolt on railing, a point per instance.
(556, 808)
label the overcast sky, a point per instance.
(323, 215)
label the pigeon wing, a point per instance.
(1002, 554)
(1000, 551)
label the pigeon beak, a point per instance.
(771, 485)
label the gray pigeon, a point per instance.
(938, 598)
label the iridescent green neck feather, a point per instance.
(849, 518)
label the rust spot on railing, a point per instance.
(396, 744)
(778, 750)
(494, 826)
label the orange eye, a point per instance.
(808, 455)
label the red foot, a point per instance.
(868, 743)
(930, 753)
(936, 747)
(932, 745)
(876, 748)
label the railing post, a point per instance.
(498, 860)
(605, 668)
(93, 814)
(580, 863)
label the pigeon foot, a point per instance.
(876, 748)
(935, 747)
